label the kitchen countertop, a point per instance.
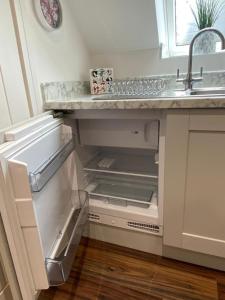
(86, 102)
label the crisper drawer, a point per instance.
(142, 134)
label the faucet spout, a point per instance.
(189, 80)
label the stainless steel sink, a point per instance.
(208, 92)
(201, 92)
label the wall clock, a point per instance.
(49, 13)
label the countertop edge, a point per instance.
(152, 103)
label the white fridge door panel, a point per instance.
(36, 258)
(52, 207)
(25, 212)
(8, 149)
(48, 209)
(17, 133)
(21, 189)
(40, 150)
(51, 213)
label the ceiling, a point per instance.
(116, 25)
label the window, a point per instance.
(185, 27)
(181, 26)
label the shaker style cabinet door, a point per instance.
(13, 98)
(7, 274)
(2, 278)
(5, 119)
(194, 182)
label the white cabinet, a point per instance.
(5, 119)
(13, 97)
(8, 280)
(6, 294)
(195, 182)
(2, 278)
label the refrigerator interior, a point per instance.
(123, 176)
(119, 166)
(120, 182)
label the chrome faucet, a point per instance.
(188, 81)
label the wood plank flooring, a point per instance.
(103, 271)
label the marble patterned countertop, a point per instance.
(75, 95)
(86, 102)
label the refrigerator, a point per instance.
(58, 173)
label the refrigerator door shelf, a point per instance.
(41, 176)
(59, 264)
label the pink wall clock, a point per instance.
(49, 13)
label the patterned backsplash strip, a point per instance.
(65, 90)
(69, 90)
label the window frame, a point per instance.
(171, 48)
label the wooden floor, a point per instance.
(103, 271)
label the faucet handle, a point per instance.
(200, 78)
(201, 71)
(178, 76)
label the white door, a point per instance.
(51, 212)
(194, 182)
(7, 274)
(13, 101)
(5, 119)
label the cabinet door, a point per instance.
(194, 182)
(2, 278)
(6, 294)
(5, 119)
(51, 211)
(7, 272)
(11, 70)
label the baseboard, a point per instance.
(150, 244)
(126, 238)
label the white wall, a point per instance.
(118, 25)
(54, 56)
(109, 27)
(63, 54)
(149, 62)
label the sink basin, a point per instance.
(207, 92)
